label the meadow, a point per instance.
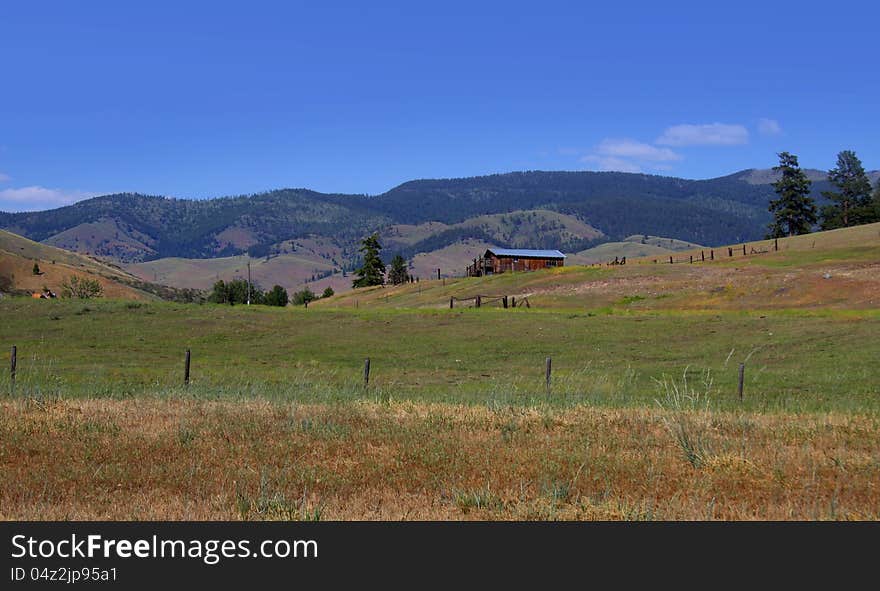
(642, 421)
(803, 361)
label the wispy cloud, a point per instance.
(628, 155)
(626, 148)
(611, 163)
(36, 198)
(769, 127)
(710, 134)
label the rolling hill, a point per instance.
(824, 270)
(18, 256)
(632, 247)
(300, 237)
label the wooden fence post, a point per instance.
(451, 302)
(477, 301)
(366, 372)
(504, 301)
(712, 255)
(729, 251)
(513, 301)
(13, 361)
(438, 274)
(692, 259)
(670, 260)
(744, 249)
(547, 370)
(186, 369)
(742, 375)
(703, 255)
(776, 244)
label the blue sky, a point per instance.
(206, 99)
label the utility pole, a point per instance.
(249, 282)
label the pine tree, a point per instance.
(397, 274)
(373, 270)
(852, 202)
(794, 211)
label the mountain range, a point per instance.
(310, 237)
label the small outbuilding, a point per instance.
(502, 260)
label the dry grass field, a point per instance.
(186, 459)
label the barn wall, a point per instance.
(505, 264)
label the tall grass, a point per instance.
(688, 415)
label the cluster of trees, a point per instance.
(236, 292)
(239, 291)
(306, 295)
(853, 202)
(372, 271)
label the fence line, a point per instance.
(732, 252)
(480, 300)
(366, 373)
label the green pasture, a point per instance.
(795, 360)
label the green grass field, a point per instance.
(796, 360)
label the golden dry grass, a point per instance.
(184, 459)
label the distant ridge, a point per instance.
(319, 233)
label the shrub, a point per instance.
(81, 287)
(277, 296)
(328, 292)
(303, 297)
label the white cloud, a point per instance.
(710, 134)
(4, 177)
(36, 198)
(769, 127)
(626, 148)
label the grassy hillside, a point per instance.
(835, 269)
(18, 255)
(609, 250)
(288, 270)
(636, 246)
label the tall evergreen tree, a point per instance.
(372, 272)
(794, 211)
(852, 200)
(398, 274)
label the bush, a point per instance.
(303, 297)
(328, 292)
(277, 296)
(81, 287)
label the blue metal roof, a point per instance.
(526, 253)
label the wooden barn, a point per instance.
(502, 260)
